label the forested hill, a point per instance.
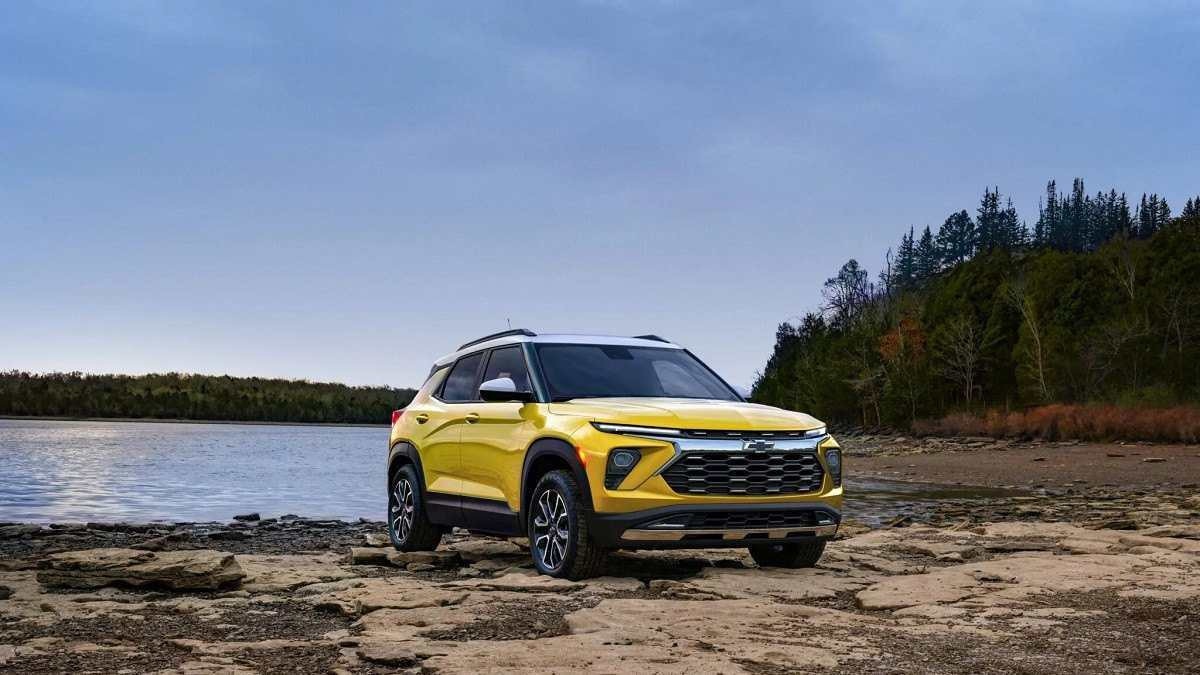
(1096, 302)
(196, 397)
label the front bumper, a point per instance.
(645, 494)
(737, 525)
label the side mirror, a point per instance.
(503, 389)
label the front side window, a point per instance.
(460, 384)
(593, 371)
(508, 362)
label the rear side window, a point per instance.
(460, 384)
(508, 362)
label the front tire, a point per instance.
(558, 529)
(790, 554)
(408, 524)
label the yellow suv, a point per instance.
(586, 444)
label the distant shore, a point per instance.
(159, 420)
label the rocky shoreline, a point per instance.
(1072, 578)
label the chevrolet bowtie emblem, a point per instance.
(758, 446)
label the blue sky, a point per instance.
(344, 191)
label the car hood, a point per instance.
(683, 413)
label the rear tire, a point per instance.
(408, 523)
(558, 528)
(788, 554)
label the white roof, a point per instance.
(556, 338)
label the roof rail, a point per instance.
(493, 336)
(650, 337)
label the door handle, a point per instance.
(472, 418)
(422, 418)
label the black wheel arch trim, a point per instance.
(403, 448)
(560, 449)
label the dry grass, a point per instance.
(1179, 424)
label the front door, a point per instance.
(496, 434)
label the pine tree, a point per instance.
(1074, 233)
(1191, 209)
(905, 273)
(1013, 233)
(988, 223)
(1049, 218)
(956, 239)
(928, 258)
(1152, 215)
(1110, 218)
(1124, 221)
(1102, 219)
(1164, 213)
(1040, 227)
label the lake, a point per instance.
(59, 471)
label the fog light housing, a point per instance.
(620, 463)
(833, 460)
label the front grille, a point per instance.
(777, 472)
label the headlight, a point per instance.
(816, 433)
(833, 459)
(620, 462)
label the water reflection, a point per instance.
(874, 502)
(74, 471)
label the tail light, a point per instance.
(396, 415)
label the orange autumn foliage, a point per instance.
(1180, 424)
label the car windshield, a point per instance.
(592, 371)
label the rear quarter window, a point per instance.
(460, 383)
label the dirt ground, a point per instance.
(1029, 464)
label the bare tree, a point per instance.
(868, 383)
(1104, 347)
(1018, 297)
(847, 293)
(959, 351)
(1179, 308)
(1123, 267)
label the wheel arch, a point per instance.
(403, 452)
(548, 454)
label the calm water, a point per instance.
(140, 471)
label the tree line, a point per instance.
(1098, 301)
(196, 397)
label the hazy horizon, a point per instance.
(346, 193)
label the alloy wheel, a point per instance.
(403, 508)
(551, 529)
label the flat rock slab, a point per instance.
(435, 559)
(388, 654)
(520, 582)
(368, 555)
(474, 550)
(174, 570)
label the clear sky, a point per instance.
(345, 191)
